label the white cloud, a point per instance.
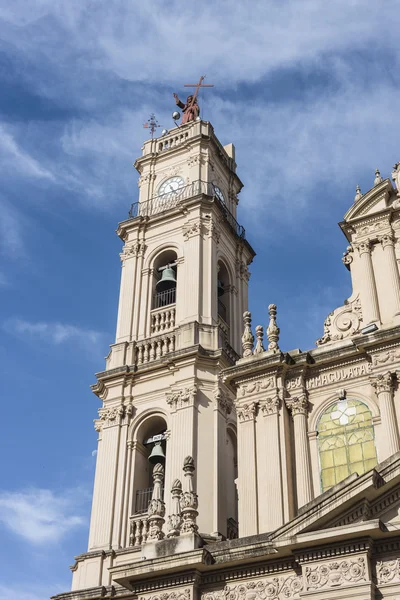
(40, 516)
(19, 159)
(53, 333)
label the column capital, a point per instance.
(247, 412)
(383, 382)
(386, 240)
(363, 247)
(270, 406)
(298, 405)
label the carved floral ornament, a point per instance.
(223, 402)
(387, 570)
(270, 406)
(386, 357)
(253, 387)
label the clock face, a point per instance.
(219, 194)
(171, 186)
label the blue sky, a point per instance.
(307, 90)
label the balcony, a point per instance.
(164, 202)
(164, 298)
(142, 500)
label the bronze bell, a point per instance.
(221, 290)
(167, 281)
(157, 454)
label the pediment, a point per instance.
(369, 497)
(377, 199)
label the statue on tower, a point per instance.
(191, 109)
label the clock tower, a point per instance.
(184, 289)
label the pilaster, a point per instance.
(299, 408)
(392, 290)
(383, 384)
(247, 459)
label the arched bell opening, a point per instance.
(231, 474)
(165, 279)
(151, 448)
(223, 288)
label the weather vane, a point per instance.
(191, 109)
(152, 124)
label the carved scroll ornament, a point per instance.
(342, 322)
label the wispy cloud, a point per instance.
(40, 516)
(13, 155)
(53, 333)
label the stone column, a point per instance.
(270, 498)
(383, 385)
(222, 408)
(393, 289)
(247, 469)
(369, 297)
(299, 408)
(126, 294)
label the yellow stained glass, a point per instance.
(346, 441)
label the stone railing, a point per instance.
(139, 530)
(162, 319)
(171, 141)
(153, 349)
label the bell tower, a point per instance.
(184, 289)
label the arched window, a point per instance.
(345, 441)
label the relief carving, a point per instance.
(335, 573)
(256, 386)
(387, 570)
(386, 357)
(132, 250)
(270, 406)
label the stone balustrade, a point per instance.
(171, 141)
(153, 349)
(139, 530)
(162, 319)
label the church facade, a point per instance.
(228, 469)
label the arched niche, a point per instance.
(224, 289)
(231, 474)
(148, 433)
(164, 263)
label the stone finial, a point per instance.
(358, 194)
(247, 337)
(156, 506)
(378, 178)
(396, 177)
(175, 519)
(273, 330)
(259, 349)
(189, 500)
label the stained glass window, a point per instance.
(345, 441)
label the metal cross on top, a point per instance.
(198, 86)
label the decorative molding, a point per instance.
(335, 574)
(181, 398)
(347, 257)
(247, 337)
(114, 415)
(247, 412)
(133, 250)
(146, 179)
(386, 240)
(363, 247)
